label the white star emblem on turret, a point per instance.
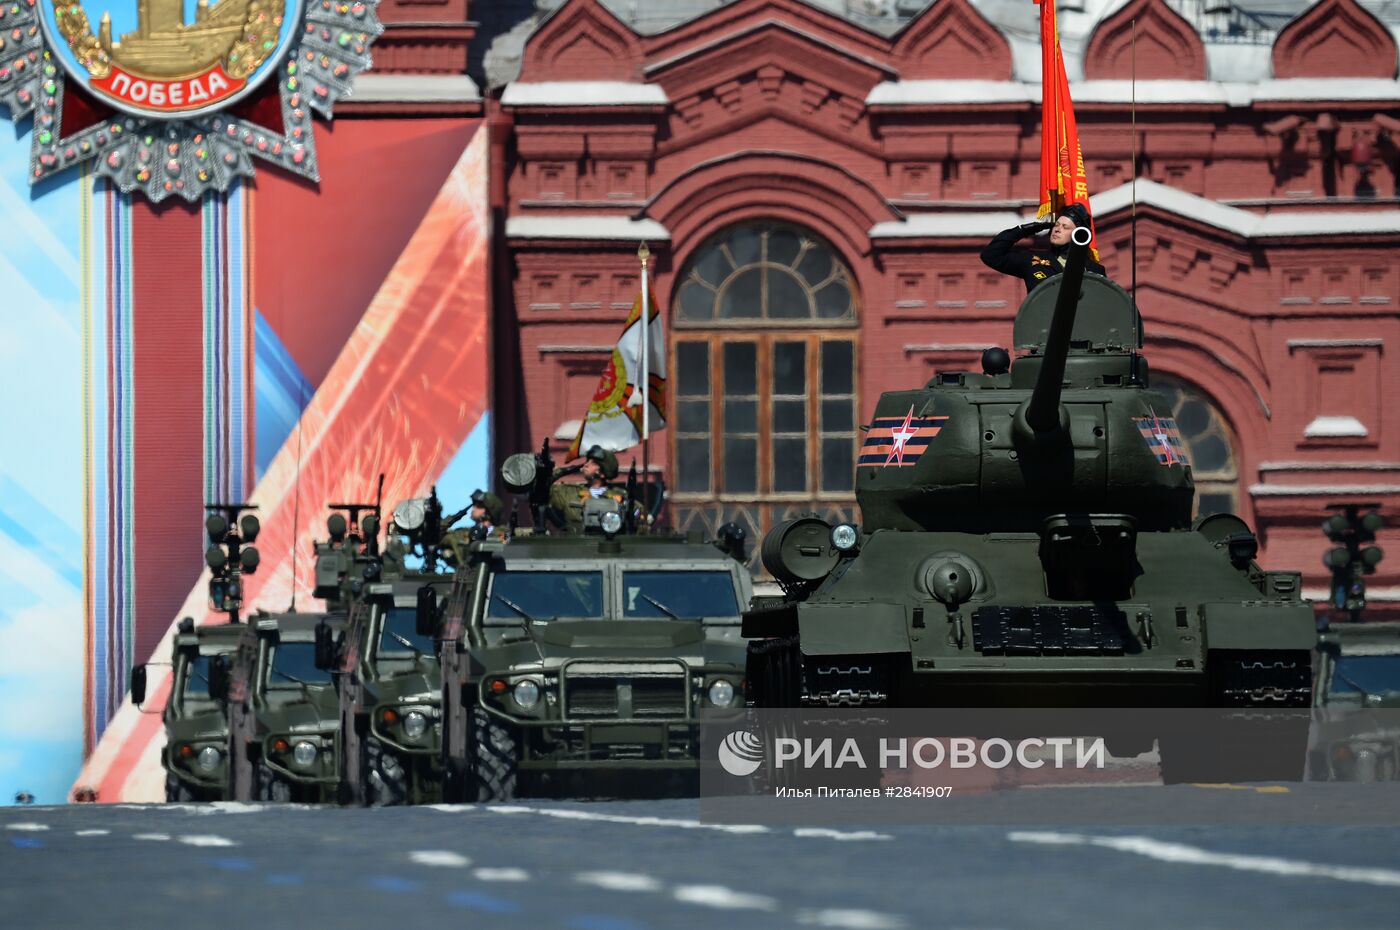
(901, 435)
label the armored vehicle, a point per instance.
(211, 668)
(295, 719)
(1358, 688)
(585, 654)
(389, 680)
(1027, 541)
(207, 662)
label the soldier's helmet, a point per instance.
(495, 508)
(604, 458)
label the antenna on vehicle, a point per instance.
(1132, 223)
(296, 500)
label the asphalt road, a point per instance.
(655, 864)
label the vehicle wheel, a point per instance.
(271, 787)
(176, 790)
(386, 781)
(775, 672)
(495, 757)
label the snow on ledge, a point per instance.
(583, 94)
(1223, 93)
(1335, 428)
(1242, 223)
(586, 227)
(414, 88)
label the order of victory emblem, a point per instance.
(179, 96)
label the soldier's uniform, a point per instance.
(567, 499)
(1033, 265)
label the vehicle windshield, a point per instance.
(294, 664)
(197, 678)
(679, 595)
(1361, 675)
(400, 633)
(517, 596)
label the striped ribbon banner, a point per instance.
(228, 340)
(109, 598)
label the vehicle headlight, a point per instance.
(611, 522)
(721, 693)
(844, 537)
(526, 693)
(304, 753)
(209, 758)
(415, 724)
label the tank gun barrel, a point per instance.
(1043, 410)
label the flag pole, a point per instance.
(1132, 290)
(643, 254)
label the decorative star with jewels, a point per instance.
(241, 83)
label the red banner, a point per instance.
(1062, 177)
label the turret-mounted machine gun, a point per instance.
(420, 520)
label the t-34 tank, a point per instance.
(1028, 542)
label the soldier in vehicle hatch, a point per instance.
(566, 499)
(487, 511)
(1036, 265)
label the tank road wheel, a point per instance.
(386, 779)
(775, 672)
(176, 790)
(271, 787)
(495, 757)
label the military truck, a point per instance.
(293, 735)
(211, 667)
(207, 662)
(1358, 692)
(584, 655)
(389, 679)
(1027, 541)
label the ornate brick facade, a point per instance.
(1266, 213)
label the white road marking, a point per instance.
(850, 919)
(1183, 854)
(728, 899)
(440, 857)
(202, 840)
(618, 881)
(91, 832)
(501, 875)
(154, 837)
(679, 823)
(827, 833)
(450, 808)
(27, 827)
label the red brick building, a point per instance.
(816, 184)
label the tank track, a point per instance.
(780, 678)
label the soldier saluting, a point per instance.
(1033, 265)
(567, 498)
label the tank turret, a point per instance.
(1071, 427)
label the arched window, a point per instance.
(1210, 445)
(765, 380)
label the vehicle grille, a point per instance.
(614, 690)
(1047, 630)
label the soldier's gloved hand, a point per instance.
(1035, 227)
